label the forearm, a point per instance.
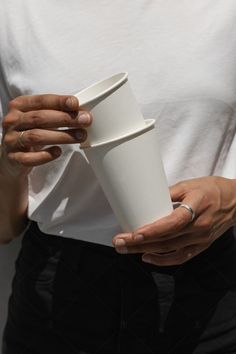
(234, 198)
(21, 153)
(176, 238)
(13, 204)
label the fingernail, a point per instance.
(146, 259)
(80, 135)
(122, 250)
(84, 118)
(138, 237)
(126, 236)
(71, 103)
(120, 242)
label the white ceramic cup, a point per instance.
(131, 174)
(114, 109)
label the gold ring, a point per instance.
(20, 140)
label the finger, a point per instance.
(31, 159)
(48, 101)
(143, 248)
(177, 223)
(171, 226)
(175, 258)
(52, 119)
(178, 191)
(164, 246)
(42, 137)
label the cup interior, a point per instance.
(101, 88)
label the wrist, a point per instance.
(11, 173)
(227, 190)
(232, 199)
(14, 229)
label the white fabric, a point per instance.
(180, 56)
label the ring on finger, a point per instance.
(189, 208)
(20, 140)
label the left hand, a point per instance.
(174, 239)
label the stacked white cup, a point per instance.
(123, 151)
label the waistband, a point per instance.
(222, 249)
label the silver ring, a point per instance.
(186, 206)
(20, 140)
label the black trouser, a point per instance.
(74, 297)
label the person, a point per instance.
(81, 285)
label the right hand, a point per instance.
(39, 116)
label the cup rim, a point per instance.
(111, 88)
(149, 124)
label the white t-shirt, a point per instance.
(181, 58)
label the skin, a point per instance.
(38, 116)
(169, 241)
(174, 239)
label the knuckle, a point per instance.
(8, 121)
(206, 201)
(33, 137)
(66, 120)
(36, 119)
(14, 103)
(205, 224)
(12, 120)
(34, 101)
(20, 119)
(182, 185)
(6, 140)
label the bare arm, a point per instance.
(13, 204)
(38, 117)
